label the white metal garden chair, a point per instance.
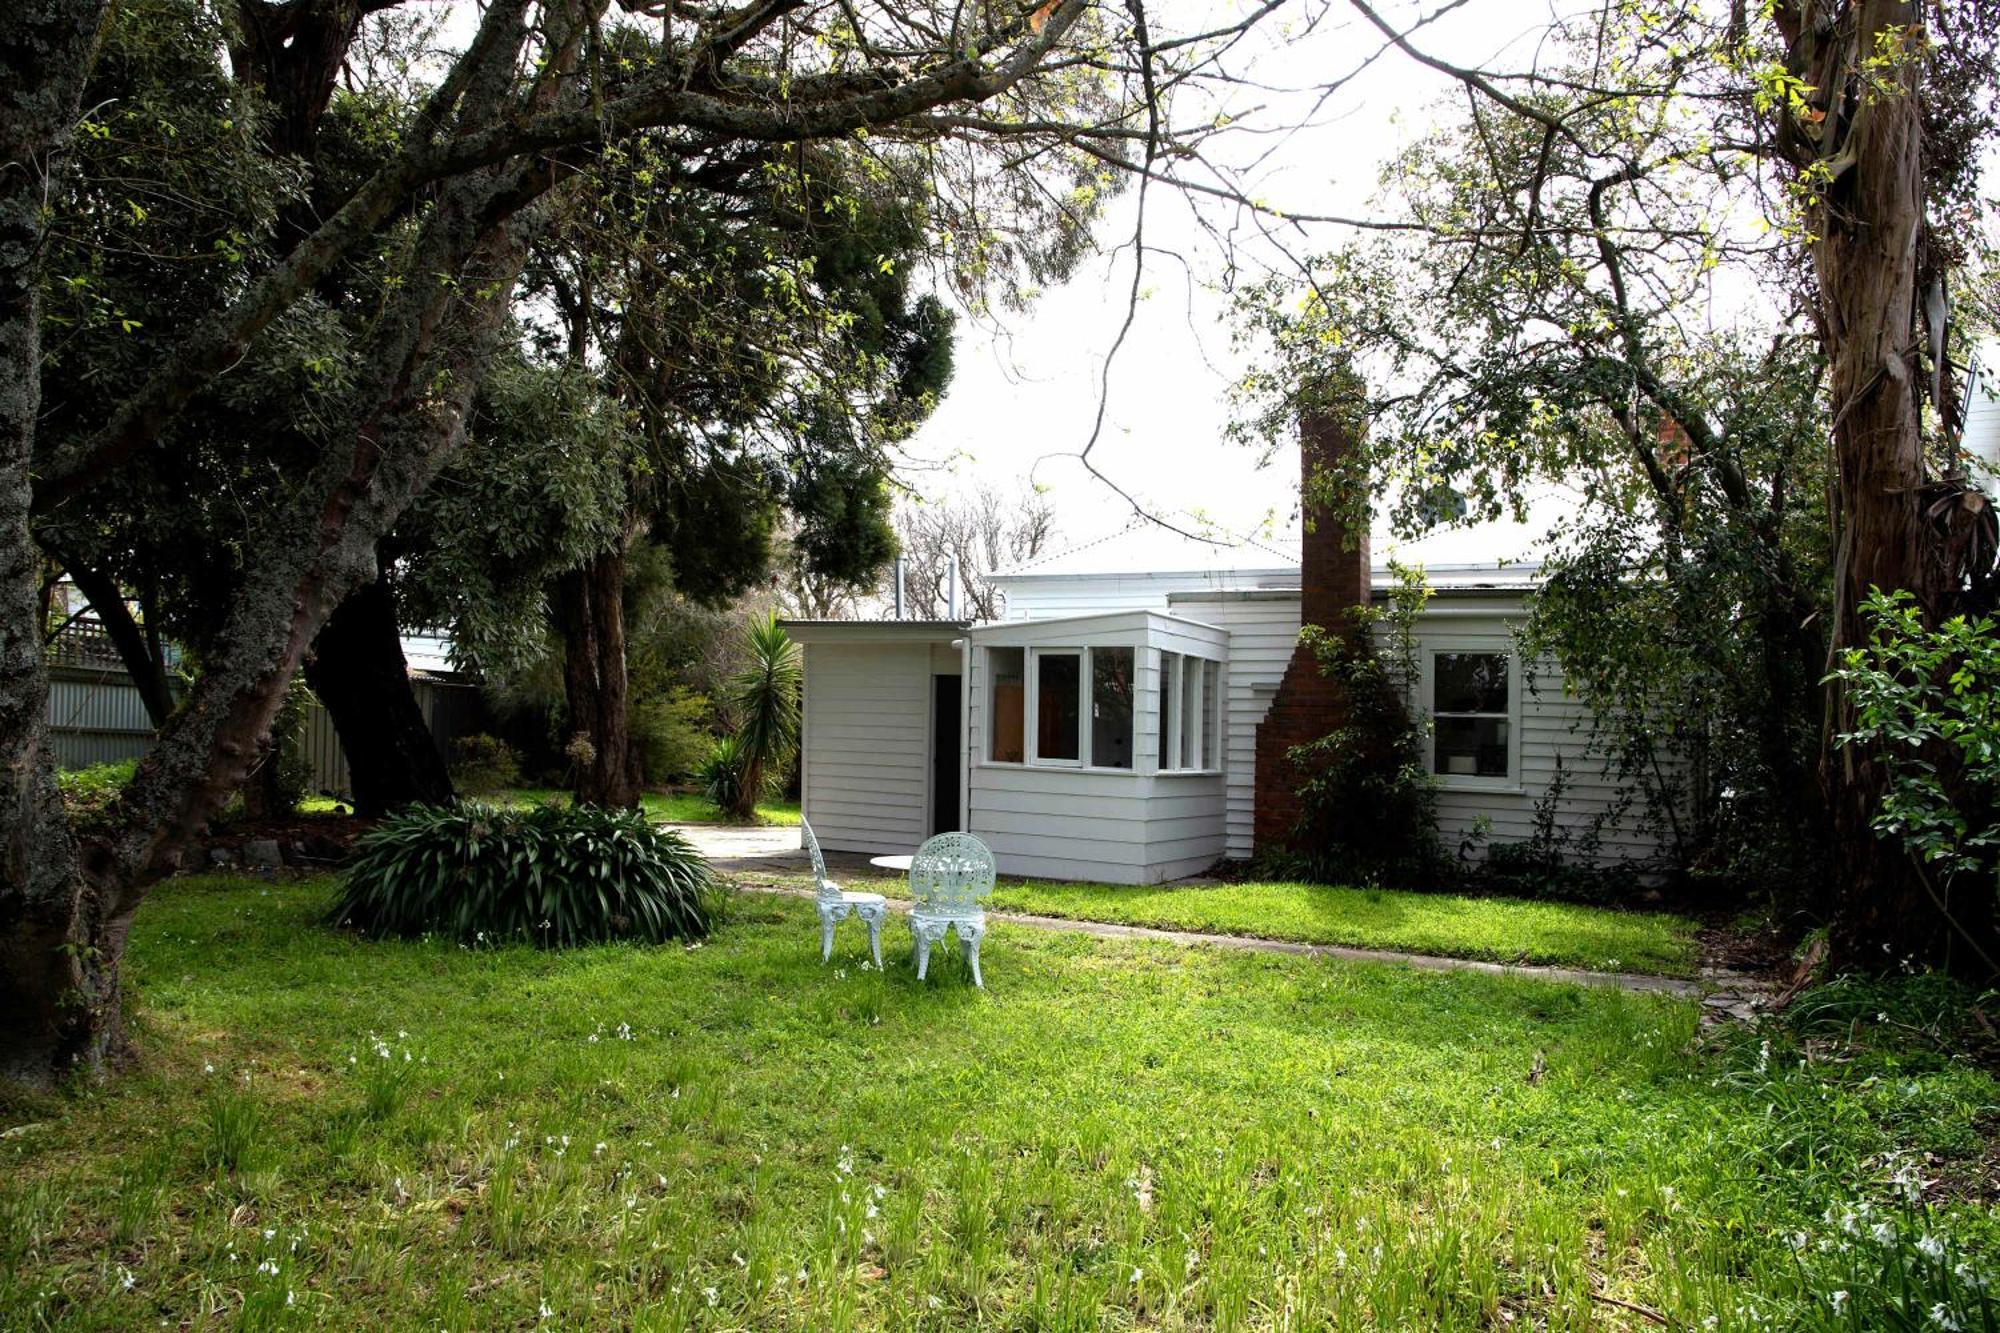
(949, 879)
(836, 903)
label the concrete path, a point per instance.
(769, 860)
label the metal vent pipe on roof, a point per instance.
(899, 587)
(951, 587)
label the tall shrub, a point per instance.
(765, 697)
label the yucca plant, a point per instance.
(764, 695)
(554, 875)
(722, 774)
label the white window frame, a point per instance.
(1512, 716)
(1205, 748)
(1089, 687)
(1033, 719)
(992, 727)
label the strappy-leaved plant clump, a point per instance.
(555, 876)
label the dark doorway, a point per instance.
(947, 763)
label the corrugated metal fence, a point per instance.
(97, 717)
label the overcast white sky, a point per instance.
(1026, 395)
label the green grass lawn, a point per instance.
(327, 1132)
(673, 807)
(1504, 929)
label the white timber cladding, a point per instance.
(1075, 820)
(1547, 724)
(867, 739)
(1039, 597)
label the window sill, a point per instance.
(1463, 782)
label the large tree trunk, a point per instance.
(358, 670)
(1868, 225)
(591, 604)
(58, 996)
(138, 646)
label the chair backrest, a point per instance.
(826, 886)
(950, 874)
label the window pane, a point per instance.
(1190, 712)
(1211, 722)
(1469, 683)
(1058, 705)
(1004, 668)
(1169, 688)
(1111, 707)
(1472, 746)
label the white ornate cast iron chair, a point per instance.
(950, 877)
(835, 903)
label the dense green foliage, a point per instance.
(482, 764)
(556, 876)
(88, 793)
(1927, 701)
(1117, 1134)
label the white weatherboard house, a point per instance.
(1108, 727)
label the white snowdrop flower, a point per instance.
(1882, 1232)
(712, 1296)
(1931, 1247)
(546, 1312)
(1137, 1273)
(1942, 1317)
(270, 1233)
(207, 1068)
(126, 1280)
(268, 1268)
(1838, 1300)
(1798, 1240)
(879, 1191)
(1339, 1257)
(288, 1298)
(846, 1164)
(1710, 1322)
(1193, 1262)
(598, 1151)
(801, 1277)
(933, 1302)
(736, 1257)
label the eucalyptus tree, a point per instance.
(449, 213)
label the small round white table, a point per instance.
(892, 862)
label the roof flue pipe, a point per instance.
(901, 564)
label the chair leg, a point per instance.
(969, 941)
(825, 936)
(874, 920)
(923, 953)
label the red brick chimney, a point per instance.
(1333, 579)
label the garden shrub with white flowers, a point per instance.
(556, 876)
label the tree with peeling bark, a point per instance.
(451, 213)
